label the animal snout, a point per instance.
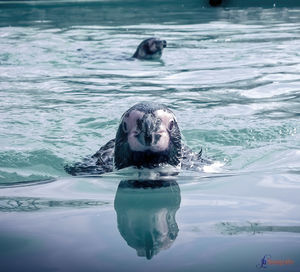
(148, 139)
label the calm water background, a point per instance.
(232, 77)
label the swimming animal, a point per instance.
(148, 136)
(150, 49)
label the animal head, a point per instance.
(150, 49)
(148, 136)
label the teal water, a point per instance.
(231, 76)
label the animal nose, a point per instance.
(148, 126)
(164, 44)
(148, 139)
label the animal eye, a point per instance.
(125, 127)
(171, 125)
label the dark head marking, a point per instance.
(148, 136)
(150, 49)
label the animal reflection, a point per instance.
(146, 214)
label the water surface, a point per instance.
(231, 76)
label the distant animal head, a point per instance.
(148, 136)
(150, 49)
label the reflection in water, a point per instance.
(29, 204)
(146, 214)
(254, 228)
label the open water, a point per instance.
(232, 77)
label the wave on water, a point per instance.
(29, 166)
